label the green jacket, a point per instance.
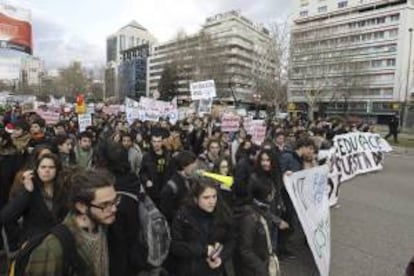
(47, 258)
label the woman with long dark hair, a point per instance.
(38, 200)
(267, 172)
(202, 234)
(64, 147)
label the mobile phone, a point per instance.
(216, 253)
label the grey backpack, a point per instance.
(155, 230)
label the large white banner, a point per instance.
(203, 90)
(309, 194)
(149, 109)
(352, 154)
(358, 153)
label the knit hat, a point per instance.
(9, 128)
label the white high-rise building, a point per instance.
(31, 71)
(240, 47)
(129, 36)
(353, 55)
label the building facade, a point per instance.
(31, 71)
(352, 56)
(133, 72)
(129, 36)
(229, 48)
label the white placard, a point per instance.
(203, 90)
(84, 120)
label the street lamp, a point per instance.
(407, 85)
(257, 98)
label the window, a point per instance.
(376, 63)
(391, 62)
(395, 17)
(393, 33)
(380, 20)
(304, 13)
(323, 9)
(342, 4)
(379, 35)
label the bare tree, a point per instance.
(271, 67)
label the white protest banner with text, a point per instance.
(84, 120)
(358, 153)
(131, 110)
(203, 90)
(309, 194)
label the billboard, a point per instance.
(15, 28)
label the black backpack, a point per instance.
(73, 264)
(155, 234)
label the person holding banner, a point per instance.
(293, 243)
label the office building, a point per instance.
(129, 36)
(233, 53)
(352, 56)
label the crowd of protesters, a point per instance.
(52, 174)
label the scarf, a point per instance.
(21, 142)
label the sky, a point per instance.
(68, 30)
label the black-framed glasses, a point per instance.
(107, 206)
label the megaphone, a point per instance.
(223, 179)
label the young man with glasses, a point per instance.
(93, 203)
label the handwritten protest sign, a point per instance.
(358, 153)
(111, 109)
(256, 128)
(204, 106)
(50, 117)
(203, 90)
(308, 192)
(352, 154)
(230, 122)
(84, 120)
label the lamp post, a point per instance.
(257, 98)
(407, 85)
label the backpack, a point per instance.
(73, 264)
(155, 233)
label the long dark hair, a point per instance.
(274, 175)
(56, 160)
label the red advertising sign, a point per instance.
(15, 29)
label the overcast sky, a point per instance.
(66, 30)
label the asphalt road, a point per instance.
(373, 230)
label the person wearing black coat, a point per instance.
(196, 137)
(253, 246)
(242, 172)
(177, 188)
(39, 202)
(155, 168)
(126, 253)
(199, 229)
